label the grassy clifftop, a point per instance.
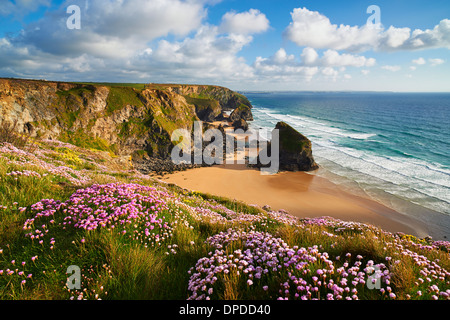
(136, 237)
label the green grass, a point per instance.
(81, 139)
(203, 105)
(137, 86)
(119, 97)
(121, 266)
(292, 140)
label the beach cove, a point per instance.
(302, 194)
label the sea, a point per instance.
(393, 148)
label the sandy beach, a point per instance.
(301, 194)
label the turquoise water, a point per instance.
(392, 147)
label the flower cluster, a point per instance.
(92, 290)
(433, 279)
(261, 254)
(19, 157)
(332, 283)
(310, 274)
(122, 207)
(25, 173)
(214, 213)
(17, 271)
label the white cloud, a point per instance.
(413, 68)
(143, 18)
(309, 56)
(204, 56)
(118, 45)
(313, 29)
(422, 61)
(394, 37)
(281, 57)
(333, 58)
(249, 22)
(436, 62)
(419, 61)
(311, 64)
(125, 27)
(330, 73)
(310, 28)
(283, 66)
(365, 72)
(391, 68)
(438, 37)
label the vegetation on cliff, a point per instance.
(243, 111)
(118, 118)
(295, 149)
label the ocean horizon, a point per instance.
(390, 147)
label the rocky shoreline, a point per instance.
(295, 152)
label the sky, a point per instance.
(264, 45)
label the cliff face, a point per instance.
(122, 119)
(210, 101)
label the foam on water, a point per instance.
(379, 175)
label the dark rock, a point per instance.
(242, 112)
(240, 124)
(295, 150)
(150, 165)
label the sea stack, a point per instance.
(295, 150)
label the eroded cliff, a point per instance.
(124, 119)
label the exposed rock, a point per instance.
(206, 109)
(242, 112)
(295, 150)
(147, 165)
(112, 118)
(240, 124)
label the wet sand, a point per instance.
(301, 194)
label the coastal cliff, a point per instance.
(123, 119)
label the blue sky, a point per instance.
(244, 45)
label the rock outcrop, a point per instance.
(295, 150)
(242, 112)
(240, 124)
(227, 99)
